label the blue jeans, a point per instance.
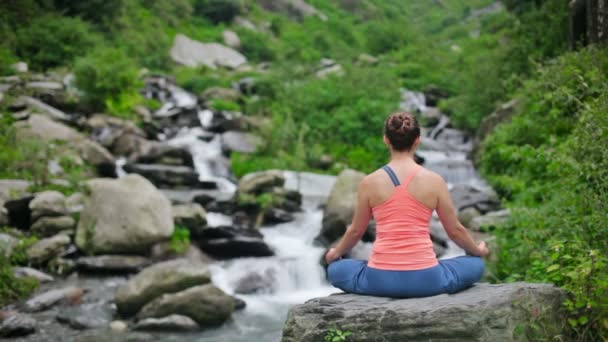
(450, 276)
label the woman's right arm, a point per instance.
(455, 230)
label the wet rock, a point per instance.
(412, 102)
(231, 39)
(17, 325)
(340, 206)
(46, 249)
(433, 94)
(227, 242)
(85, 317)
(259, 182)
(53, 297)
(160, 153)
(295, 9)
(131, 146)
(508, 306)
(112, 263)
(166, 175)
(170, 323)
(239, 304)
(191, 216)
(277, 215)
(466, 196)
(27, 272)
(156, 280)
(467, 215)
(206, 304)
(192, 53)
(164, 251)
(254, 282)
(51, 225)
(62, 266)
(490, 220)
(127, 215)
(47, 130)
(107, 129)
(430, 117)
(242, 142)
(7, 244)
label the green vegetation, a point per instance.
(337, 335)
(180, 242)
(11, 287)
(551, 164)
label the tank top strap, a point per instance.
(392, 175)
(411, 175)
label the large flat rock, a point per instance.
(485, 312)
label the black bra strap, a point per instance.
(391, 174)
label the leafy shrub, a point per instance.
(12, 288)
(6, 60)
(217, 11)
(100, 12)
(255, 46)
(220, 104)
(180, 242)
(50, 41)
(337, 335)
(106, 76)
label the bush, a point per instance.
(50, 41)
(255, 46)
(217, 11)
(107, 76)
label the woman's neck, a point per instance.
(398, 156)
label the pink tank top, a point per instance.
(403, 241)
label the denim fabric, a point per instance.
(450, 276)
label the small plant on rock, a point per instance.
(337, 335)
(180, 240)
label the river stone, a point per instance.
(47, 130)
(242, 142)
(191, 216)
(467, 215)
(13, 188)
(51, 225)
(466, 196)
(258, 182)
(170, 323)
(17, 325)
(166, 175)
(127, 215)
(484, 312)
(228, 242)
(27, 272)
(217, 93)
(46, 249)
(255, 282)
(192, 53)
(490, 220)
(154, 281)
(85, 317)
(48, 203)
(206, 304)
(340, 206)
(231, 39)
(112, 263)
(50, 298)
(296, 9)
(43, 108)
(7, 244)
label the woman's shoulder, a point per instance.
(429, 176)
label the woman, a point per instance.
(401, 197)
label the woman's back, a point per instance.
(403, 207)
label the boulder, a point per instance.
(192, 53)
(206, 304)
(156, 280)
(259, 182)
(7, 244)
(48, 203)
(467, 215)
(242, 142)
(13, 188)
(53, 297)
(277, 215)
(162, 153)
(17, 325)
(170, 323)
(46, 249)
(485, 312)
(255, 282)
(112, 263)
(191, 216)
(340, 206)
(467, 196)
(51, 225)
(166, 175)
(164, 251)
(43, 108)
(231, 39)
(433, 94)
(490, 220)
(295, 9)
(85, 317)
(127, 215)
(228, 242)
(27, 272)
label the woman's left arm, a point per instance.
(363, 214)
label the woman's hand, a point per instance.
(483, 249)
(331, 256)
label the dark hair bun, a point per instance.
(402, 130)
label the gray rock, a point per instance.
(48, 203)
(254, 282)
(154, 281)
(467, 215)
(20, 67)
(296, 9)
(191, 216)
(75, 202)
(490, 220)
(84, 317)
(27, 272)
(53, 297)
(234, 141)
(42, 85)
(43, 108)
(127, 215)
(430, 117)
(482, 313)
(166, 175)
(340, 206)
(412, 102)
(46, 249)
(47, 130)
(367, 59)
(112, 263)
(51, 225)
(163, 251)
(226, 94)
(17, 325)
(206, 304)
(231, 39)
(192, 53)
(335, 69)
(169, 323)
(4, 219)
(13, 188)
(258, 182)
(465, 196)
(7, 244)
